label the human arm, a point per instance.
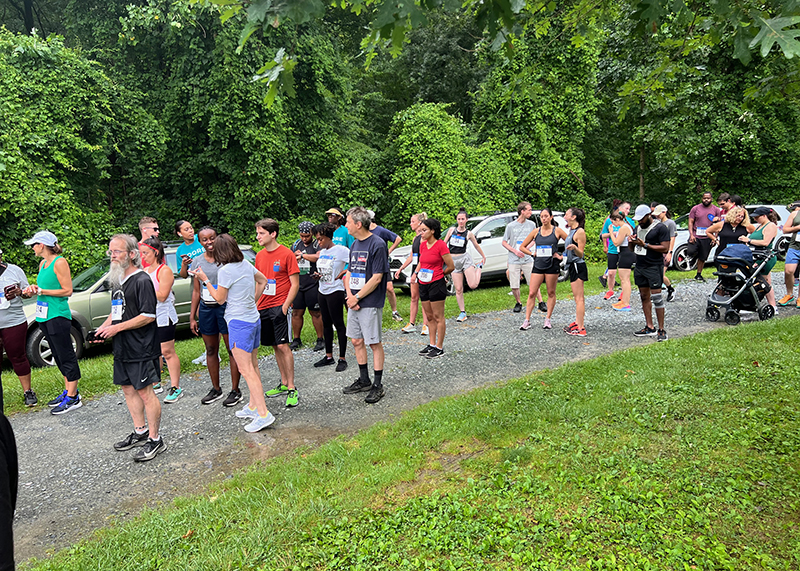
(795, 227)
(713, 232)
(578, 242)
(449, 263)
(396, 243)
(166, 279)
(193, 326)
(261, 283)
(471, 238)
(618, 236)
(524, 247)
(691, 225)
(294, 287)
(108, 330)
(186, 261)
(406, 263)
(561, 235)
(770, 231)
(219, 293)
(61, 268)
(369, 287)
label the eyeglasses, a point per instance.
(153, 229)
(110, 253)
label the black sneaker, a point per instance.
(434, 353)
(603, 281)
(375, 394)
(341, 366)
(324, 362)
(699, 278)
(57, 401)
(68, 404)
(295, 345)
(357, 387)
(233, 398)
(130, 441)
(320, 344)
(213, 396)
(518, 308)
(670, 293)
(30, 398)
(150, 450)
(645, 332)
(543, 306)
(662, 335)
(424, 351)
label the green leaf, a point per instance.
(773, 31)
(247, 31)
(229, 13)
(257, 11)
(741, 46)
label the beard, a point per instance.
(117, 272)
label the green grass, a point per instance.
(677, 455)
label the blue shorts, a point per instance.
(243, 335)
(792, 256)
(211, 319)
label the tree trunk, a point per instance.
(27, 15)
(641, 172)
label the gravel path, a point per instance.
(72, 481)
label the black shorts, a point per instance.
(137, 374)
(166, 333)
(612, 261)
(703, 249)
(626, 259)
(308, 299)
(648, 276)
(578, 271)
(553, 268)
(274, 326)
(433, 291)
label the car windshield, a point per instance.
(474, 222)
(88, 278)
(682, 222)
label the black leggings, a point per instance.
(332, 308)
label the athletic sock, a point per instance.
(363, 373)
(378, 377)
(140, 432)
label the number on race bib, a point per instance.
(357, 281)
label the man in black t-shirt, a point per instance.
(136, 347)
(306, 249)
(650, 242)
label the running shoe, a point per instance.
(234, 397)
(375, 394)
(130, 441)
(410, 328)
(542, 306)
(201, 360)
(603, 281)
(570, 327)
(68, 404)
(620, 307)
(547, 324)
(341, 366)
(609, 294)
(578, 332)
(260, 422)
(174, 394)
(157, 388)
(425, 350)
(517, 308)
(511, 293)
(319, 345)
(324, 362)
(462, 317)
(292, 398)
(295, 345)
(213, 396)
(396, 316)
(662, 335)
(30, 398)
(434, 353)
(525, 325)
(357, 387)
(699, 278)
(57, 401)
(150, 450)
(424, 331)
(246, 412)
(787, 299)
(645, 332)
(277, 391)
(670, 293)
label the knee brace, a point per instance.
(658, 300)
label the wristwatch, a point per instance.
(358, 298)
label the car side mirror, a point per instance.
(481, 236)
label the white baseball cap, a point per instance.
(43, 237)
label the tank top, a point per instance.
(415, 253)
(165, 310)
(730, 235)
(49, 306)
(572, 257)
(458, 242)
(546, 246)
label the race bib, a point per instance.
(41, 310)
(4, 303)
(457, 241)
(325, 268)
(640, 251)
(415, 259)
(425, 276)
(304, 265)
(357, 281)
(116, 310)
(700, 231)
(271, 288)
(207, 298)
(544, 251)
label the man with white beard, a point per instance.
(132, 324)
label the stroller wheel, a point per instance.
(712, 314)
(766, 312)
(732, 318)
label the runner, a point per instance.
(365, 284)
(763, 238)
(578, 273)
(393, 240)
(148, 227)
(435, 262)
(413, 259)
(621, 233)
(14, 327)
(279, 266)
(727, 231)
(306, 250)
(132, 325)
(190, 249)
(341, 236)
(546, 265)
(331, 268)
(792, 226)
(166, 316)
(239, 287)
(456, 239)
(701, 217)
(662, 214)
(518, 261)
(53, 287)
(612, 253)
(210, 322)
(651, 241)
(725, 204)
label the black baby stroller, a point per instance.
(739, 286)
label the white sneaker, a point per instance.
(410, 328)
(201, 360)
(511, 293)
(424, 330)
(246, 412)
(260, 422)
(396, 316)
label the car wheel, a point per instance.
(781, 247)
(681, 259)
(39, 352)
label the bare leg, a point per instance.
(473, 276)
(248, 366)
(458, 282)
(432, 322)
(625, 280)
(212, 358)
(316, 321)
(437, 307)
(647, 306)
(297, 322)
(25, 381)
(391, 296)
(580, 302)
(788, 277)
(378, 355)
(771, 294)
(173, 362)
(536, 283)
(235, 375)
(285, 361)
(360, 350)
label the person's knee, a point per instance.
(658, 300)
(358, 343)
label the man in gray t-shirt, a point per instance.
(516, 232)
(660, 212)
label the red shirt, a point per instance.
(276, 266)
(432, 261)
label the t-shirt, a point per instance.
(136, 296)
(192, 250)
(794, 218)
(430, 261)
(210, 269)
(307, 269)
(368, 257)
(276, 266)
(11, 312)
(671, 226)
(653, 234)
(332, 262)
(612, 249)
(514, 236)
(341, 237)
(386, 235)
(239, 279)
(703, 217)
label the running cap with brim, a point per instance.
(660, 209)
(371, 214)
(761, 211)
(336, 211)
(641, 211)
(43, 237)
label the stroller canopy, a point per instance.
(740, 251)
